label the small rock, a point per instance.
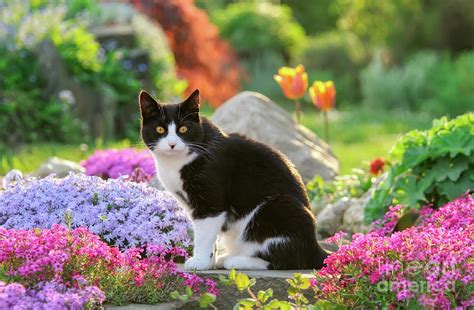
(11, 177)
(353, 220)
(330, 218)
(257, 117)
(58, 166)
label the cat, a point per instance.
(242, 190)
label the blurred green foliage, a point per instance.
(426, 82)
(405, 26)
(256, 26)
(24, 24)
(431, 167)
(336, 56)
(315, 16)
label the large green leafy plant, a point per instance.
(431, 167)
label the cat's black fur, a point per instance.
(235, 174)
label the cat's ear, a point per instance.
(148, 105)
(193, 103)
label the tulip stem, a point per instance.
(326, 126)
(298, 111)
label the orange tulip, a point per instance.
(323, 95)
(293, 81)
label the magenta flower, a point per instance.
(430, 264)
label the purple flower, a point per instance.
(48, 295)
(123, 213)
(116, 163)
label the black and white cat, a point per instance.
(242, 190)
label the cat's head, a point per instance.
(170, 129)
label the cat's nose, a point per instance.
(172, 145)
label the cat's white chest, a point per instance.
(168, 171)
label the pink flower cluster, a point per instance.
(138, 165)
(78, 257)
(428, 265)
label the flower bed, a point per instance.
(123, 213)
(428, 265)
(117, 163)
(49, 268)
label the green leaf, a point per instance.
(409, 192)
(453, 190)
(322, 305)
(174, 294)
(274, 304)
(189, 291)
(263, 296)
(183, 297)
(242, 281)
(246, 303)
(232, 274)
(285, 305)
(206, 299)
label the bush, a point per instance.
(430, 167)
(402, 87)
(253, 27)
(123, 213)
(116, 163)
(406, 26)
(426, 266)
(339, 55)
(450, 87)
(77, 258)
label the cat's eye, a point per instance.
(160, 130)
(183, 129)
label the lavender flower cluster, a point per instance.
(125, 214)
(116, 163)
(48, 295)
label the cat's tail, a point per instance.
(321, 251)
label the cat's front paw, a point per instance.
(220, 261)
(198, 263)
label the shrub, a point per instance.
(202, 58)
(450, 87)
(430, 167)
(253, 27)
(77, 257)
(404, 87)
(116, 163)
(336, 56)
(423, 266)
(23, 106)
(123, 213)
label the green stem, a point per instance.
(298, 111)
(326, 126)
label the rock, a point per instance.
(58, 166)
(257, 117)
(330, 218)
(11, 177)
(353, 220)
(92, 104)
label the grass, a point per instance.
(355, 136)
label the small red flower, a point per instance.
(376, 166)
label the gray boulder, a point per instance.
(256, 116)
(58, 166)
(329, 219)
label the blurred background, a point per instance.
(70, 70)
